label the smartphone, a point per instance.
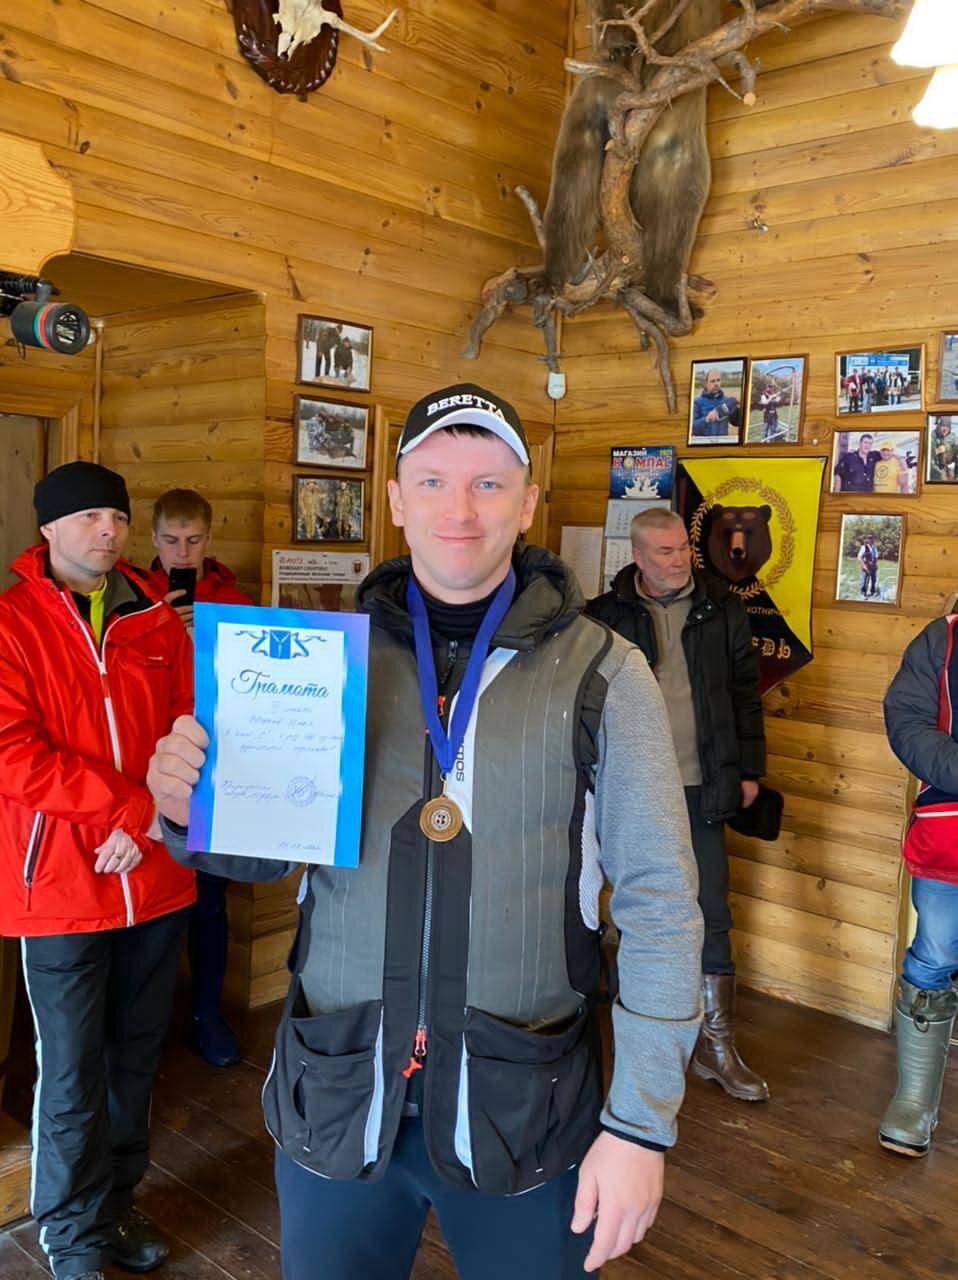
(183, 580)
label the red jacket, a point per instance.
(77, 730)
(216, 585)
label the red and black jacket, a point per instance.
(78, 725)
(215, 585)
(921, 714)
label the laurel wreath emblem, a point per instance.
(778, 504)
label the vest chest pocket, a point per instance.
(533, 1099)
(323, 1096)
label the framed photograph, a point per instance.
(717, 391)
(330, 434)
(941, 449)
(328, 509)
(334, 353)
(776, 400)
(879, 462)
(948, 366)
(870, 559)
(891, 381)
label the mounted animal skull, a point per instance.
(292, 44)
(301, 21)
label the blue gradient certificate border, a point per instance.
(209, 672)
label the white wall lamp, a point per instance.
(930, 39)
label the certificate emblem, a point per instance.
(301, 792)
(440, 819)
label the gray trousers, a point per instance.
(101, 1006)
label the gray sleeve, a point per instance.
(911, 711)
(646, 853)
(230, 866)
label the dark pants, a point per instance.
(209, 938)
(708, 842)
(371, 1230)
(101, 1004)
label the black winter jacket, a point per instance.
(723, 674)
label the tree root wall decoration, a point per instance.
(643, 87)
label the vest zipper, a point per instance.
(99, 657)
(421, 1044)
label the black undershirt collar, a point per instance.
(456, 621)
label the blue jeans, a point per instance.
(370, 1230)
(933, 955)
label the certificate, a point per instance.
(282, 694)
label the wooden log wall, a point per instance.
(184, 406)
(861, 210)
(386, 198)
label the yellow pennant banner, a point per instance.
(753, 522)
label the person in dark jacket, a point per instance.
(182, 521)
(921, 716)
(696, 637)
(438, 1043)
(93, 665)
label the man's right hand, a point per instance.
(174, 769)
(712, 415)
(183, 611)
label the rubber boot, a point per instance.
(923, 1023)
(716, 1057)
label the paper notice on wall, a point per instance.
(581, 549)
(322, 580)
(618, 553)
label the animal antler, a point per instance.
(301, 21)
(618, 272)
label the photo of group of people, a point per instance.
(327, 509)
(772, 391)
(886, 463)
(334, 352)
(331, 434)
(880, 381)
(869, 563)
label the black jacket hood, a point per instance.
(547, 598)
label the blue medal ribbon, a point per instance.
(446, 746)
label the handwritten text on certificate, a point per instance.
(282, 695)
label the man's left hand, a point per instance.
(749, 792)
(117, 854)
(620, 1187)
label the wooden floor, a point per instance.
(793, 1190)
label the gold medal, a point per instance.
(440, 819)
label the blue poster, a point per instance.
(641, 473)
(282, 694)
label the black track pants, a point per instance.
(708, 843)
(101, 1005)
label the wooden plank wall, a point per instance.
(184, 405)
(862, 214)
(386, 198)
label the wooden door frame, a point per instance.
(33, 406)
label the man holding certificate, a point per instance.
(438, 1046)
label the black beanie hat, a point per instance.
(79, 486)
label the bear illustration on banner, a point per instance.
(739, 541)
(754, 524)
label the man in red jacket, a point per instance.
(92, 664)
(182, 519)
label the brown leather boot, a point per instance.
(716, 1057)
